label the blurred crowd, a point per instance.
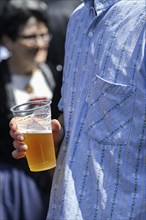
(32, 37)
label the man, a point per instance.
(101, 169)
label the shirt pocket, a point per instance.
(109, 112)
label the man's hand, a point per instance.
(19, 142)
(58, 134)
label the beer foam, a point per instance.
(36, 131)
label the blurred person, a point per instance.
(101, 167)
(20, 196)
(24, 76)
(59, 12)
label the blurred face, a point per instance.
(31, 46)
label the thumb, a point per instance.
(58, 134)
(56, 126)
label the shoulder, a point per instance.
(77, 16)
(81, 6)
(133, 12)
(135, 6)
(78, 12)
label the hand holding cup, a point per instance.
(33, 120)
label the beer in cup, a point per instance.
(34, 121)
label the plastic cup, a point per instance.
(34, 121)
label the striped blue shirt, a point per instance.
(101, 168)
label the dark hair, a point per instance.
(16, 13)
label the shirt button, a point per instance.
(90, 34)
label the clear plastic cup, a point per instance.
(34, 121)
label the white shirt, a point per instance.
(38, 84)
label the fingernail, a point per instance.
(11, 125)
(20, 137)
(23, 147)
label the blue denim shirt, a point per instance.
(101, 168)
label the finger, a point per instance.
(21, 147)
(13, 124)
(17, 154)
(55, 126)
(58, 134)
(17, 136)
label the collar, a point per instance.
(89, 3)
(100, 5)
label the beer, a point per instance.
(41, 153)
(34, 121)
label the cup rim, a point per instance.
(15, 108)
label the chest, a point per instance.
(104, 46)
(104, 55)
